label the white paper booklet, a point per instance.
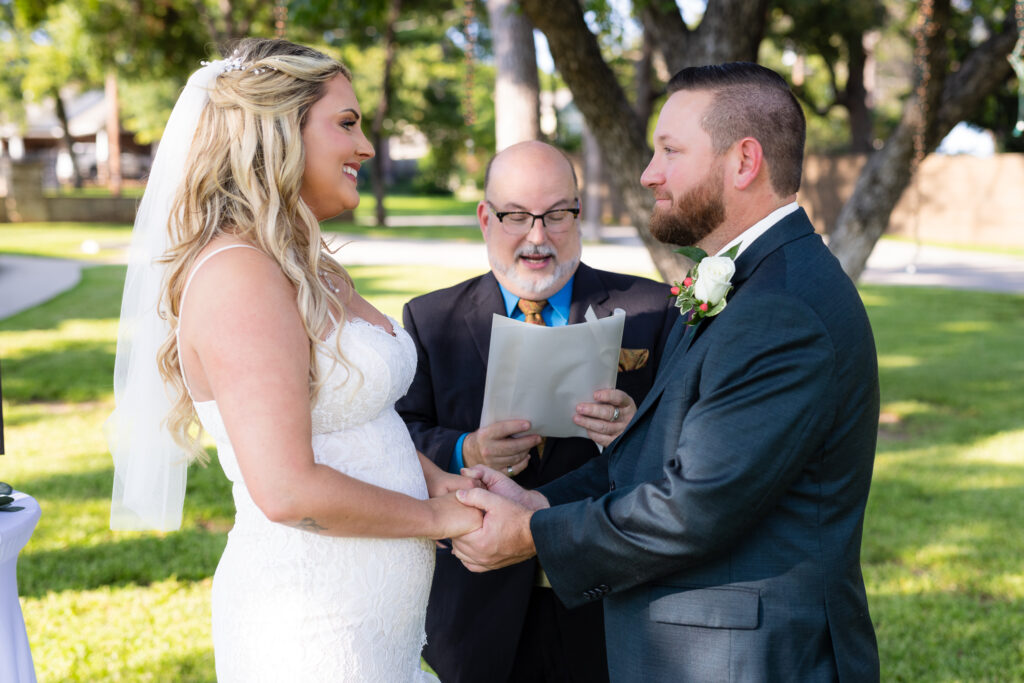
(540, 373)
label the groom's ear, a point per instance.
(747, 162)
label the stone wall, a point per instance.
(92, 209)
(23, 199)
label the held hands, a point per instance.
(607, 417)
(505, 536)
(452, 518)
(496, 446)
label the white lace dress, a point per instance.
(293, 606)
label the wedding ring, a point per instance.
(509, 470)
(615, 415)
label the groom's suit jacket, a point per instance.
(474, 620)
(722, 529)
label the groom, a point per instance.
(722, 529)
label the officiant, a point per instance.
(508, 625)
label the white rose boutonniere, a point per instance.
(704, 289)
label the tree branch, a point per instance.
(948, 100)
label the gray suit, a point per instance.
(723, 528)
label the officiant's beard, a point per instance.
(533, 285)
(693, 216)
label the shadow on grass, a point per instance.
(948, 636)
(207, 492)
(194, 668)
(190, 555)
(75, 371)
(973, 524)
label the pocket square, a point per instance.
(632, 359)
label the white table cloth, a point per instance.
(15, 530)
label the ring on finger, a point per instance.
(615, 415)
(508, 469)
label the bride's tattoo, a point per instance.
(310, 524)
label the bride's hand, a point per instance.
(453, 519)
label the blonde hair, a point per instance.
(242, 177)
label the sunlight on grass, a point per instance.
(1006, 448)
(159, 632)
(966, 326)
(874, 298)
(65, 240)
(890, 361)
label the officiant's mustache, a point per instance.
(535, 250)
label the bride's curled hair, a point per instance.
(243, 176)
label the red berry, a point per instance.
(704, 308)
(687, 282)
(675, 291)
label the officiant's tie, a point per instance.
(531, 310)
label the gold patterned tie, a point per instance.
(532, 309)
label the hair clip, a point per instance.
(233, 64)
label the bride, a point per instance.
(236, 317)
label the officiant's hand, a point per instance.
(497, 447)
(496, 482)
(504, 538)
(607, 417)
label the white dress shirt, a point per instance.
(747, 237)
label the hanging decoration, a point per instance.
(926, 27)
(280, 18)
(468, 111)
(1017, 62)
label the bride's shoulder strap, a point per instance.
(199, 264)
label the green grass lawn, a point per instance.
(943, 554)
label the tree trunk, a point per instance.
(948, 100)
(516, 84)
(645, 94)
(855, 98)
(62, 116)
(619, 132)
(593, 202)
(380, 162)
(113, 136)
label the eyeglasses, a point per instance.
(554, 221)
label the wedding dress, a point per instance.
(290, 605)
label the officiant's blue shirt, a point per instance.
(555, 314)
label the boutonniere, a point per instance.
(702, 292)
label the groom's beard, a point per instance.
(693, 216)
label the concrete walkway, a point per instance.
(27, 281)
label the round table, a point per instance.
(15, 530)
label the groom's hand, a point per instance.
(504, 538)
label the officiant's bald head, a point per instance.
(532, 257)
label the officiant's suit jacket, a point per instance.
(474, 620)
(722, 529)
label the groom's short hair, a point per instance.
(750, 100)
